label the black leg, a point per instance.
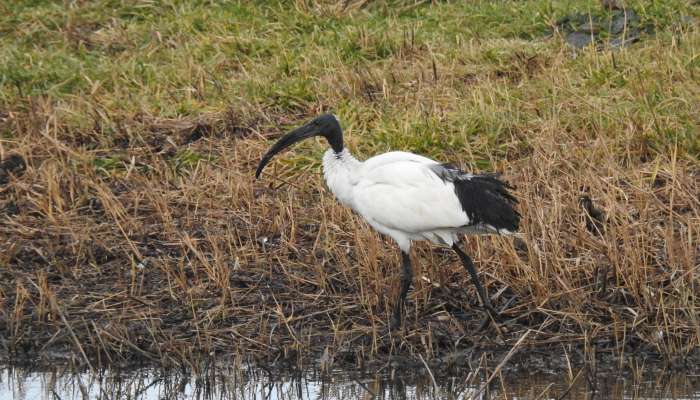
(406, 278)
(469, 266)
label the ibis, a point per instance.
(409, 197)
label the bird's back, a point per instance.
(395, 157)
(412, 193)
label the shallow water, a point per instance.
(230, 383)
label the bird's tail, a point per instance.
(487, 201)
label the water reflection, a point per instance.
(239, 383)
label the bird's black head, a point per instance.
(326, 125)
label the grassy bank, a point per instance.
(131, 226)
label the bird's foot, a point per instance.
(395, 323)
(492, 316)
(495, 315)
(485, 322)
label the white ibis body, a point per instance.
(410, 197)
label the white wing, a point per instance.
(399, 191)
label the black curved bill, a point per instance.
(299, 134)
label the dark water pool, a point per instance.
(239, 383)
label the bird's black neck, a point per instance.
(335, 139)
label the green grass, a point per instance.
(182, 59)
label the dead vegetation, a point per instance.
(169, 260)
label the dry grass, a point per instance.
(134, 228)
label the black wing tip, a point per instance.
(509, 221)
(486, 200)
(514, 222)
(485, 197)
(501, 186)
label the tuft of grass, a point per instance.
(135, 230)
